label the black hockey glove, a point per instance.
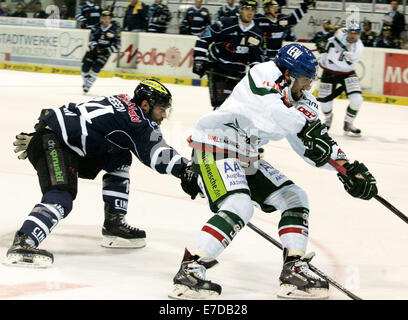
(317, 141)
(310, 3)
(199, 67)
(358, 181)
(103, 51)
(21, 144)
(189, 182)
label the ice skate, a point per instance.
(85, 89)
(190, 282)
(118, 234)
(351, 130)
(297, 281)
(328, 120)
(23, 253)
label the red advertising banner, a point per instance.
(396, 74)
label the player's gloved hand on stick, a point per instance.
(310, 3)
(318, 143)
(358, 181)
(21, 144)
(199, 67)
(189, 182)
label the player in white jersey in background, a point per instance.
(271, 102)
(343, 51)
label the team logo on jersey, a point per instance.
(110, 34)
(253, 41)
(283, 22)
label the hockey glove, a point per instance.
(318, 143)
(103, 51)
(189, 182)
(21, 144)
(358, 181)
(310, 3)
(199, 67)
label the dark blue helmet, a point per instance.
(353, 26)
(298, 59)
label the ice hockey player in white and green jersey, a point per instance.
(270, 103)
(343, 51)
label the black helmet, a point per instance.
(248, 3)
(154, 92)
(267, 3)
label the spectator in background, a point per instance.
(395, 20)
(88, 14)
(321, 37)
(276, 27)
(136, 16)
(229, 10)
(197, 18)
(39, 13)
(368, 36)
(387, 40)
(5, 10)
(64, 13)
(20, 13)
(159, 17)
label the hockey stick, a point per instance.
(380, 199)
(222, 75)
(313, 268)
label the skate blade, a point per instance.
(28, 261)
(181, 292)
(287, 291)
(351, 134)
(121, 243)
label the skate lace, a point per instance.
(303, 267)
(197, 270)
(126, 225)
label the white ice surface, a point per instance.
(360, 244)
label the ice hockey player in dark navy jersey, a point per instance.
(225, 50)
(159, 17)
(104, 40)
(276, 26)
(229, 10)
(195, 19)
(83, 139)
(88, 14)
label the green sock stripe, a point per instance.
(286, 221)
(232, 216)
(351, 111)
(222, 225)
(228, 222)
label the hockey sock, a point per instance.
(85, 76)
(327, 107)
(115, 191)
(218, 232)
(92, 76)
(351, 113)
(42, 219)
(293, 229)
(356, 101)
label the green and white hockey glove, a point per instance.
(317, 141)
(358, 181)
(21, 144)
